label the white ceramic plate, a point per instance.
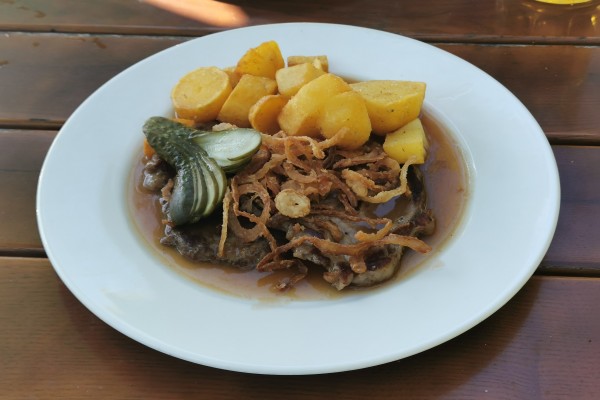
(508, 224)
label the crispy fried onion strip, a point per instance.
(361, 236)
(371, 237)
(361, 185)
(353, 158)
(334, 140)
(283, 145)
(226, 205)
(301, 272)
(354, 251)
(297, 176)
(290, 175)
(260, 228)
(274, 161)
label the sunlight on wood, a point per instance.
(207, 11)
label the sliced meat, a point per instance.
(382, 262)
(200, 242)
(156, 174)
(417, 220)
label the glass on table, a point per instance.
(564, 2)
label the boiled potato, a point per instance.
(291, 79)
(200, 94)
(391, 104)
(234, 77)
(263, 114)
(408, 141)
(185, 121)
(247, 92)
(346, 110)
(263, 60)
(320, 62)
(299, 116)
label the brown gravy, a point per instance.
(446, 182)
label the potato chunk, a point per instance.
(234, 77)
(346, 110)
(263, 114)
(391, 104)
(320, 62)
(291, 79)
(408, 141)
(299, 116)
(200, 94)
(263, 60)
(246, 93)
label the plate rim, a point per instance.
(242, 367)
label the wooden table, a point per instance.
(545, 343)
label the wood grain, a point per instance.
(62, 71)
(574, 249)
(575, 246)
(544, 343)
(21, 157)
(500, 21)
(558, 84)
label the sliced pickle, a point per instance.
(199, 184)
(235, 144)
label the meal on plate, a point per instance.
(271, 166)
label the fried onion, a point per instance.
(361, 188)
(304, 179)
(356, 249)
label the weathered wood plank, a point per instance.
(45, 77)
(21, 157)
(544, 343)
(503, 21)
(574, 249)
(558, 84)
